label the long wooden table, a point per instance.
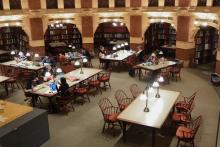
(154, 68)
(118, 56)
(44, 90)
(3, 79)
(159, 109)
(28, 65)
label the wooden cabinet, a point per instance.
(206, 43)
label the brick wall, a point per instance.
(87, 26)
(34, 4)
(184, 3)
(135, 3)
(86, 3)
(183, 30)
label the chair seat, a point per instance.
(174, 70)
(112, 117)
(94, 83)
(179, 117)
(182, 105)
(81, 90)
(104, 78)
(184, 132)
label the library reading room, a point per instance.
(109, 73)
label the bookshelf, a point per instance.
(15, 4)
(13, 38)
(206, 43)
(69, 4)
(52, 4)
(62, 33)
(106, 34)
(169, 3)
(103, 3)
(119, 3)
(1, 5)
(201, 3)
(216, 3)
(158, 35)
(153, 3)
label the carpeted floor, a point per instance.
(83, 127)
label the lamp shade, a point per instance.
(161, 79)
(122, 45)
(28, 54)
(59, 70)
(69, 45)
(161, 53)
(155, 84)
(47, 74)
(77, 63)
(114, 48)
(119, 46)
(126, 43)
(36, 55)
(12, 53)
(20, 53)
(85, 60)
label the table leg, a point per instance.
(153, 137)
(119, 66)
(124, 130)
(139, 73)
(33, 100)
(6, 88)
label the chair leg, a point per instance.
(87, 96)
(17, 84)
(178, 143)
(109, 84)
(103, 129)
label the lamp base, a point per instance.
(146, 109)
(157, 95)
(81, 72)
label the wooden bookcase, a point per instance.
(206, 43)
(216, 3)
(15, 4)
(119, 3)
(13, 38)
(106, 34)
(1, 5)
(69, 4)
(103, 3)
(201, 3)
(52, 4)
(67, 33)
(159, 34)
(153, 3)
(169, 3)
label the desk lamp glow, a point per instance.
(28, 54)
(47, 74)
(80, 63)
(12, 52)
(156, 85)
(20, 53)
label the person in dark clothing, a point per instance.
(86, 53)
(102, 54)
(64, 86)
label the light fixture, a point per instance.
(156, 85)
(162, 21)
(121, 24)
(122, 45)
(85, 60)
(57, 25)
(61, 25)
(52, 25)
(118, 46)
(152, 20)
(59, 70)
(68, 20)
(6, 24)
(172, 25)
(204, 24)
(114, 48)
(36, 55)
(73, 47)
(28, 54)
(18, 23)
(69, 45)
(126, 43)
(77, 63)
(20, 53)
(148, 91)
(47, 74)
(196, 22)
(56, 21)
(114, 24)
(12, 52)
(161, 79)
(161, 53)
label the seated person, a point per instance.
(140, 54)
(21, 58)
(102, 54)
(62, 57)
(47, 60)
(153, 59)
(63, 88)
(86, 53)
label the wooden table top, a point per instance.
(12, 111)
(156, 67)
(44, 90)
(3, 78)
(25, 65)
(2, 52)
(159, 109)
(121, 55)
